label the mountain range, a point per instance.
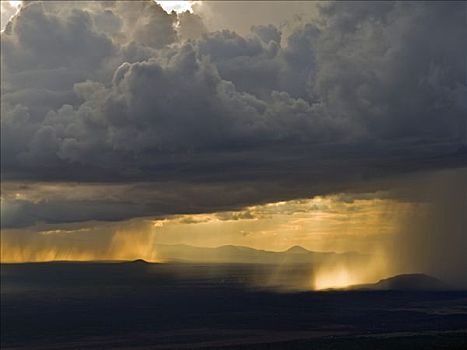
(240, 254)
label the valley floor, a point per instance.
(178, 306)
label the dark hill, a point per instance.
(415, 281)
(296, 249)
(139, 262)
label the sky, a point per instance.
(337, 126)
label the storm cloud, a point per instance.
(171, 118)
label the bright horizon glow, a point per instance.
(329, 223)
(323, 223)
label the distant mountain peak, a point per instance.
(412, 281)
(296, 249)
(139, 261)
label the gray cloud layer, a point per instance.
(114, 92)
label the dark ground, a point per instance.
(152, 306)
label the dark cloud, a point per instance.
(191, 26)
(113, 92)
(389, 66)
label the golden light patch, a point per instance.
(326, 223)
(329, 223)
(338, 277)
